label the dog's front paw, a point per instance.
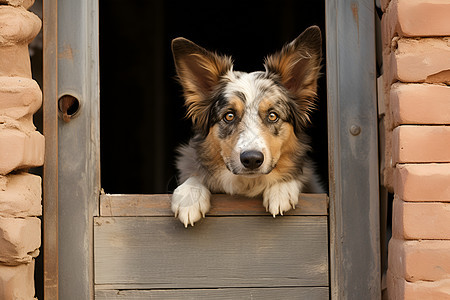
(190, 201)
(281, 197)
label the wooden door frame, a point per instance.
(353, 150)
(72, 166)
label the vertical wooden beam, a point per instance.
(353, 150)
(50, 90)
(79, 146)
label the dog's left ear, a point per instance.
(298, 68)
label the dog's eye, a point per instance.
(272, 117)
(229, 116)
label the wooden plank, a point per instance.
(158, 252)
(221, 205)
(353, 149)
(310, 293)
(79, 147)
(50, 183)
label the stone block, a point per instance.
(20, 239)
(419, 220)
(20, 195)
(20, 150)
(421, 144)
(423, 260)
(17, 25)
(19, 97)
(423, 182)
(17, 282)
(15, 61)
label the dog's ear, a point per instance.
(199, 72)
(297, 66)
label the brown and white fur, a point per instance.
(249, 127)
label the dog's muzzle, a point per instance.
(252, 159)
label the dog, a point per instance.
(249, 128)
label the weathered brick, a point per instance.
(20, 239)
(19, 97)
(424, 260)
(418, 60)
(423, 182)
(416, 18)
(400, 289)
(17, 282)
(20, 150)
(20, 195)
(420, 103)
(420, 220)
(417, 144)
(17, 25)
(384, 4)
(15, 61)
(388, 170)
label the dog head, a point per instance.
(255, 118)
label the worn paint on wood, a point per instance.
(353, 159)
(221, 205)
(159, 253)
(310, 293)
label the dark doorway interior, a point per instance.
(142, 113)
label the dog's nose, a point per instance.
(252, 159)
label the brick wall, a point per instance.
(21, 147)
(416, 55)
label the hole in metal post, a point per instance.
(68, 107)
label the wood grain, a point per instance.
(221, 205)
(159, 253)
(310, 293)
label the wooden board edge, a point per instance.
(158, 205)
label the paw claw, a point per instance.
(190, 201)
(281, 197)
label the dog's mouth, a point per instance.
(249, 173)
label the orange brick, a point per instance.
(418, 60)
(17, 282)
(400, 289)
(420, 103)
(418, 220)
(413, 18)
(417, 144)
(20, 239)
(423, 182)
(20, 195)
(19, 96)
(425, 260)
(19, 150)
